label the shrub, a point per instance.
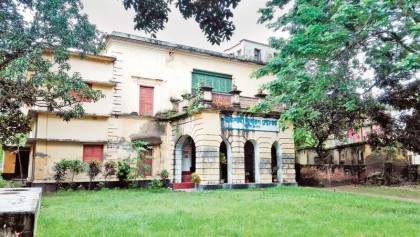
(196, 178)
(123, 172)
(155, 184)
(76, 167)
(100, 186)
(110, 169)
(94, 169)
(164, 174)
(3, 183)
(61, 169)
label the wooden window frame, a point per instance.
(88, 159)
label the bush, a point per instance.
(61, 169)
(100, 186)
(123, 172)
(76, 167)
(95, 168)
(196, 178)
(155, 184)
(3, 183)
(164, 174)
(110, 169)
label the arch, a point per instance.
(276, 153)
(226, 170)
(185, 158)
(252, 161)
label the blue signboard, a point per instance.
(235, 122)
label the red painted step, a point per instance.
(186, 185)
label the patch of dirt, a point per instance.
(359, 190)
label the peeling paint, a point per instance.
(41, 155)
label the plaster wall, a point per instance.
(170, 72)
(87, 129)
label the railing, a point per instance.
(219, 100)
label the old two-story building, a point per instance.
(189, 104)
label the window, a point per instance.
(147, 161)
(76, 95)
(257, 54)
(219, 82)
(239, 52)
(93, 152)
(146, 100)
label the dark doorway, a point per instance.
(24, 157)
(249, 162)
(274, 166)
(223, 162)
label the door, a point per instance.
(146, 100)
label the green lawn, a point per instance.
(403, 191)
(286, 211)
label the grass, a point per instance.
(286, 211)
(402, 191)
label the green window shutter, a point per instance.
(220, 82)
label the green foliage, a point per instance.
(100, 186)
(140, 168)
(164, 174)
(95, 167)
(110, 169)
(123, 171)
(61, 169)
(213, 16)
(196, 104)
(323, 67)
(155, 184)
(28, 28)
(76, 167)
(196, 178)
(3, 183)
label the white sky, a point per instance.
(110, 15)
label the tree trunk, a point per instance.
(20, 165)
(329, 174)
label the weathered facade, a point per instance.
(143, 81)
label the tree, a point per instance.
(322, 67)
(213, 16)
(94, 168)
(28, 28)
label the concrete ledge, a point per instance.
(19, 209)
(242, 186)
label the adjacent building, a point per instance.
(190, 105)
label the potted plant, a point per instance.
(164, 174)
(247, 174)
(222, 161)
(196, 179)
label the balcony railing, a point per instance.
(220, 100)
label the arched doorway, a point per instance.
(223, 161)
(274, 166)
(185, 159)
(249, 162)
(276, 163)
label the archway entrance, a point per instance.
(249, 162)
(223, 161)
(274, 166)
(276, 163)
(185, 159)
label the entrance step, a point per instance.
(185, 185)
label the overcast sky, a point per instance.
(110, 15)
